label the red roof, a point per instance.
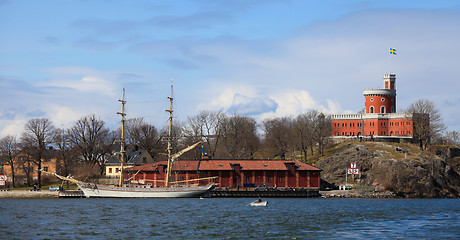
(215, 165)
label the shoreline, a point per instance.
(29, 194)
(18, 194)
(357, 194)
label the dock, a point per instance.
(71, 194)
(305, 193)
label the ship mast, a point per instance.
(170, 111)
(122, 140)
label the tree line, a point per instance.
(85, 147)
(89, 142)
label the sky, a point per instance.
(64, 60)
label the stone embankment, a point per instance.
(28, 194)
(356, 194)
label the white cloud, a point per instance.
(64, 116)
(262, 105)
(12, 127)
(82, 79)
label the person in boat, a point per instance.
(259, 200)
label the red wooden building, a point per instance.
(230, 173)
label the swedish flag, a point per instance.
(393, 51)
(202, 150)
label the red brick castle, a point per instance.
(380, 119)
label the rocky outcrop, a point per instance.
(400, 168)
(356, 194)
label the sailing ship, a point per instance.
(171, 189)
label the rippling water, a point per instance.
(229, 218)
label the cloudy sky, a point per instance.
(63, 60)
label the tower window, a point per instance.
(383, 109)
(371, 109)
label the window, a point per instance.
(116, 170)
(144, 160)
(371, 109)
(383, 109)
(392, 109)
(248, 179)
(382, 99)
(270, 179)
(110, 170)
(371, 99)
(280, 179)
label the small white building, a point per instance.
(132, 158)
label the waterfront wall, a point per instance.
(29, 194)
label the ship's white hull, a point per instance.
(92, 190)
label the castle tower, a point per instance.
(389, 79)
(382, 100)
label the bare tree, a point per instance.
(304, 135)
(239, 136)
(26, 163)
(427, 121)
(453, 137)
(322, 131)
(38, 132)
(177, 139)
(131, 125)
(278, 135)
(62, 141)
(207, 125)
(145, 136)
(90, 138)
(8, 149)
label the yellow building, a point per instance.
(26, 169)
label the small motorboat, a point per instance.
(259, 204)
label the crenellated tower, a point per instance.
(382, 100)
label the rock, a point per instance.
(422, 174)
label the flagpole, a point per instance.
(392, 52)
(389, 63)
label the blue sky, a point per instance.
(67, 59)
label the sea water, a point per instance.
(229, 218)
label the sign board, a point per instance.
(353, 165)
(2, 180)
(352, 171)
